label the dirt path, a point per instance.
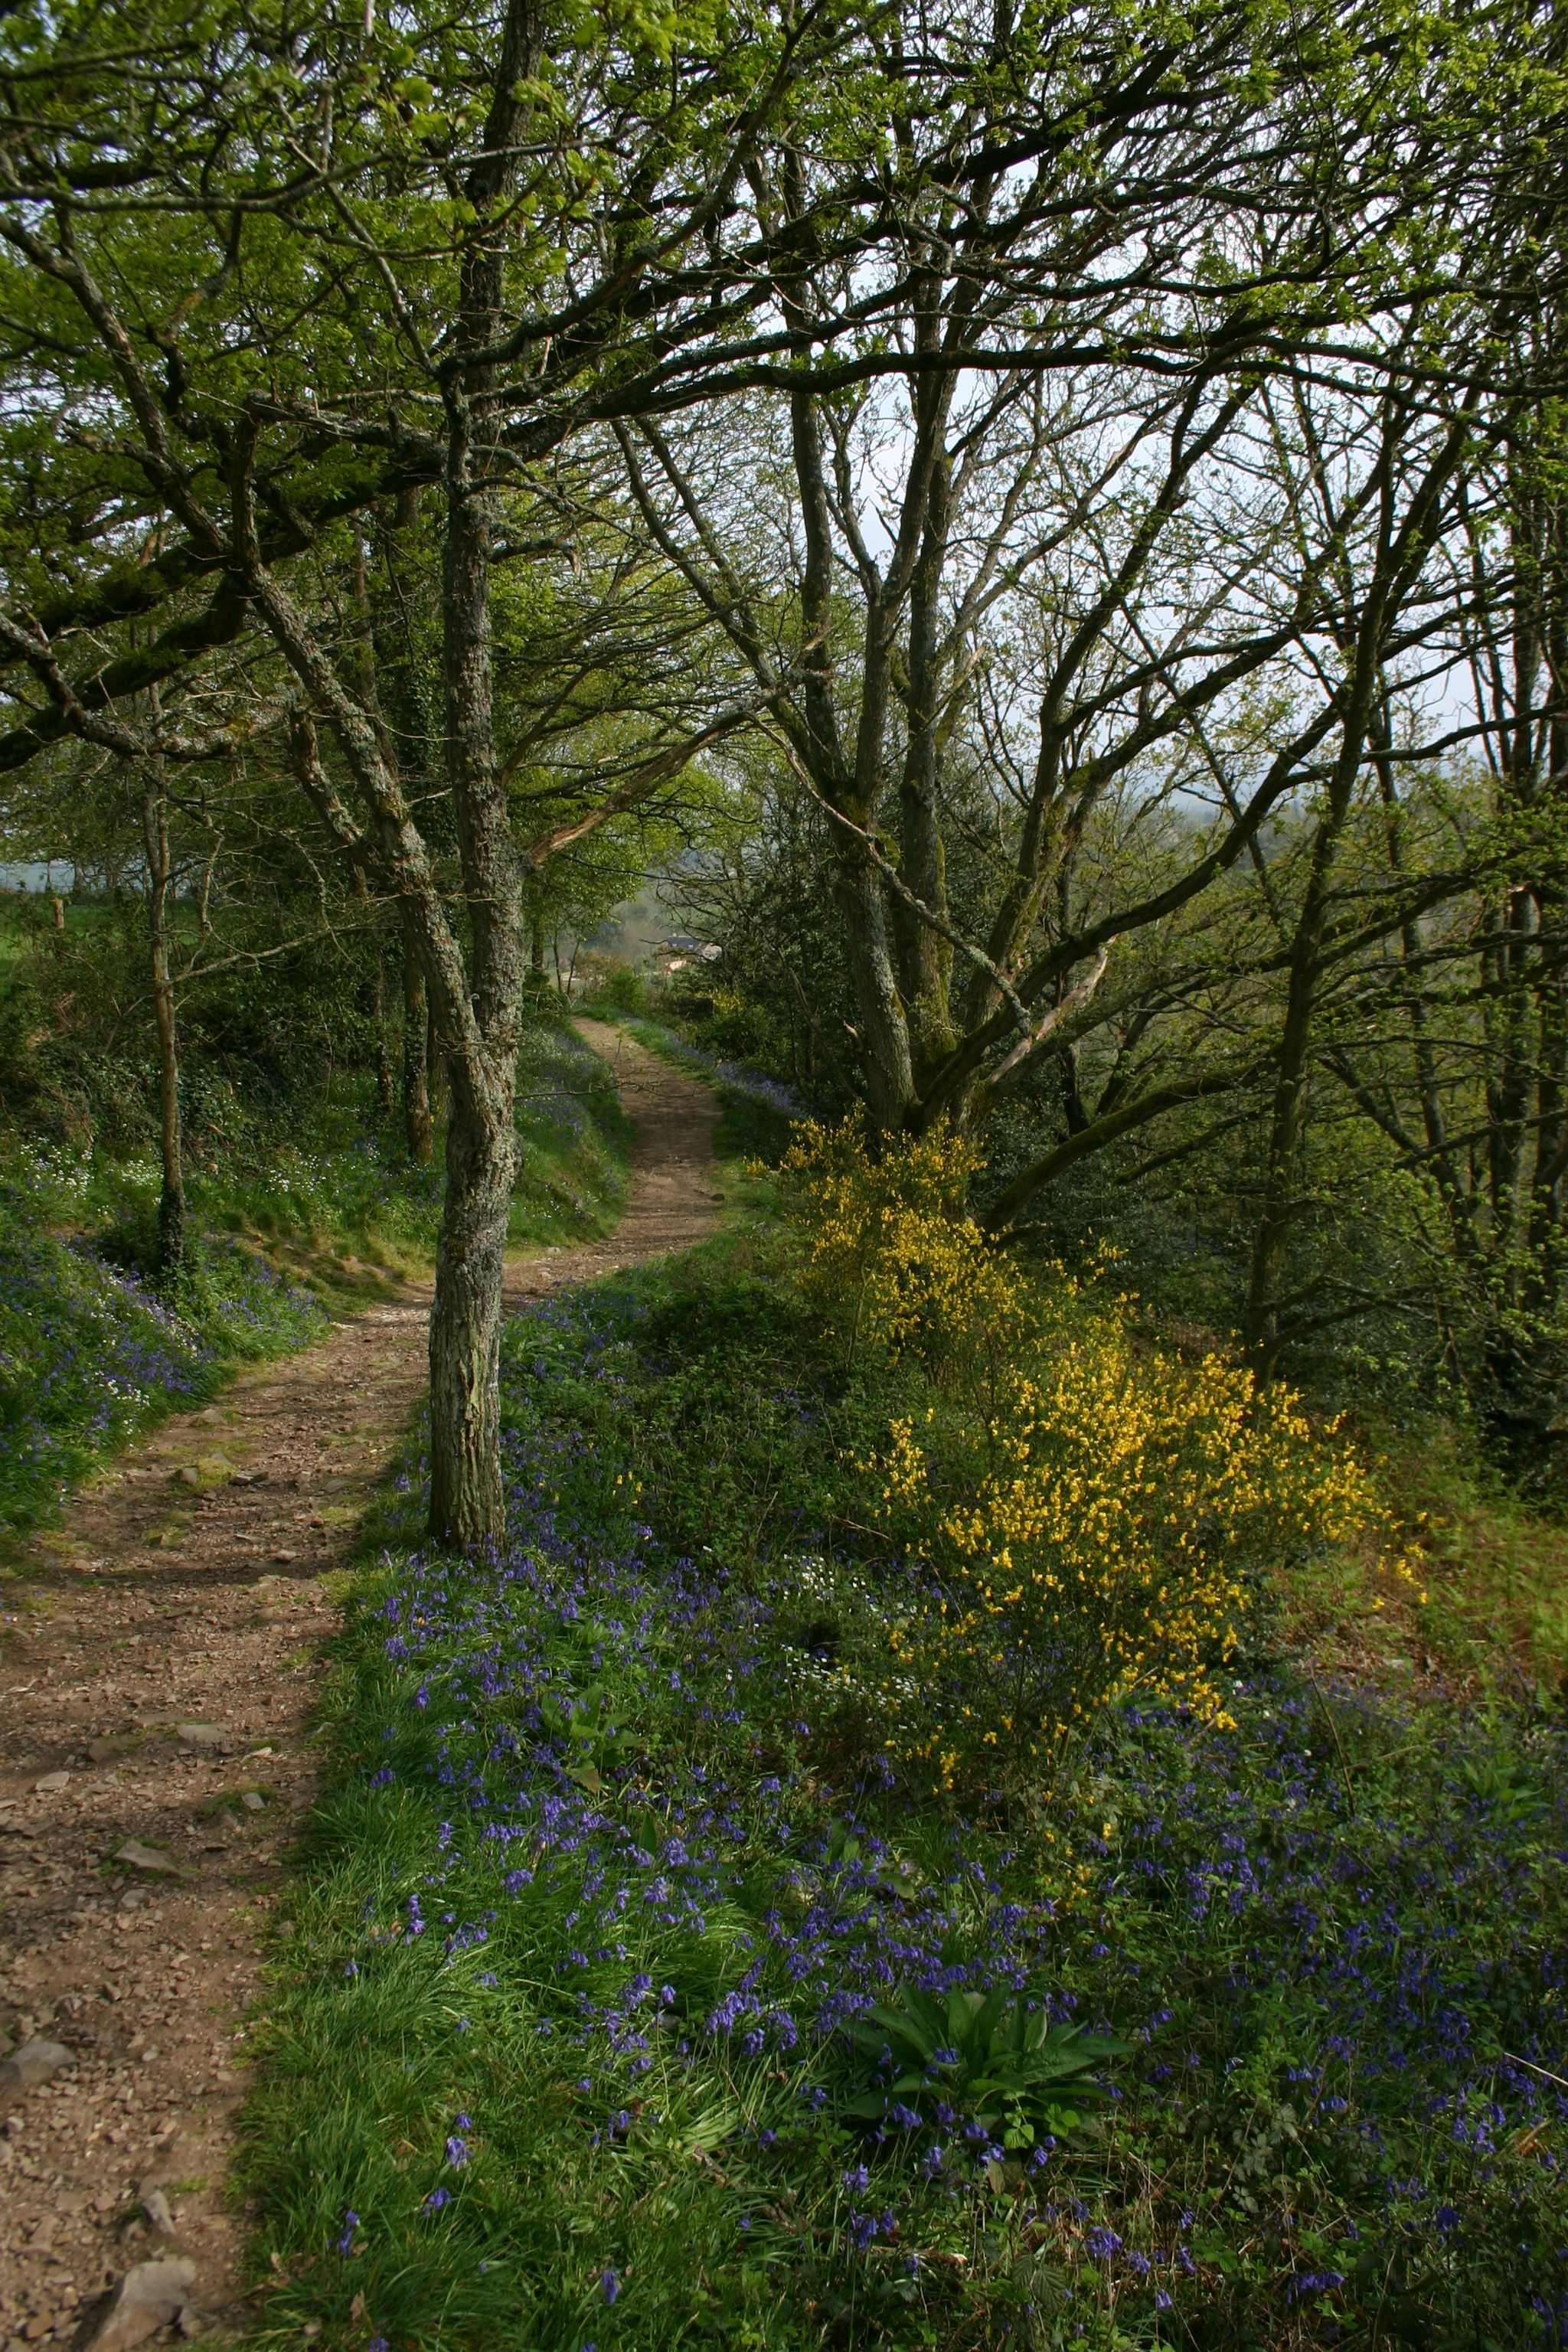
(155, 1694)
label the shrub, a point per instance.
(890, 1249)
(1094, 1512)
(619, 988)
(729, 1022)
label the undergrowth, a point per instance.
(635, 1997)
(1491, 1614)
(294, 1216)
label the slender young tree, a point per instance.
(160, 878)
(289, 271)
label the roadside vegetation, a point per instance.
(302, 1198)
(707, 1941)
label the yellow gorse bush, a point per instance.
(888, 1242)
(1094, 1509)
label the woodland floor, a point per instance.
(156, 1689)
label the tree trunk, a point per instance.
(925, 958)
(466, 1503)
(885, 1057)
(385, 1090)
(417, 1125)
(1278, 1207)
(172, 1197)
(536, 940)
(1546, 1254)
(434, 1063)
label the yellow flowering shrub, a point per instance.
(1092, 1509)
(890, 1247)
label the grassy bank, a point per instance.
(295, 1214)
(661, 2006)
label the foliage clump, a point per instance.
(90, 1356)
(1095, 1510)
(887, 1242)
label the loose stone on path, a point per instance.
(38, 2061)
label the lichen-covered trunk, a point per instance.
(478, 1039)
(172, 1193)
(418, 1127)
(467, 1504)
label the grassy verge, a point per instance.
(1497, 1573)
(758, 1112)
(649, 1995)
(312, 1214)
(1491, 1618)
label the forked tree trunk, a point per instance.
(172, 1196)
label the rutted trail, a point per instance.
(156, 1692)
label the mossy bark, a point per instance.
(172, 1194)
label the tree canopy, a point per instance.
(1086, 481)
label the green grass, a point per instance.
(313, 1212)
(1491, 1618)
(608, 1859)
(1497, 1581)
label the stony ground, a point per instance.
(156, 1685)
